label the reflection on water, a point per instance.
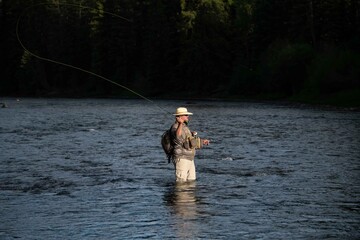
(182, 201)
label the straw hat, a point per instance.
(182, 111)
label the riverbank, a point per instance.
(349, 99)
(346, 100)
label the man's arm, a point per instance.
(180, 126)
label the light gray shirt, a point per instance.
(181, 143)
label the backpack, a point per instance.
(166, 144)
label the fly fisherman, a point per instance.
(184, 142)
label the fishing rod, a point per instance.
(72, 66)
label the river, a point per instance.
(94, 169)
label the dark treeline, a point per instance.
(292, 49)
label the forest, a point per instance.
(297, 50)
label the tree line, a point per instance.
(273, 49)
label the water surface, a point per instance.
(94, 169)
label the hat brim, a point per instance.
(182, 114)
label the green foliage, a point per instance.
(206, 46)
(285, 68)
(186, 48)
(333, 71)
(244, 82)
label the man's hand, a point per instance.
(179, 119)
(206, 141)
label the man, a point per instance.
(185, 142)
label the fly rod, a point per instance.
(26, 10)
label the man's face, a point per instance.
(185, 118)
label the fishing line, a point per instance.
(72, 66)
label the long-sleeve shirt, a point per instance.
(181, 143)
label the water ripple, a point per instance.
(94, 169)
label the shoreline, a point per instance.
(191, 100)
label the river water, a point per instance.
(94, 169)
